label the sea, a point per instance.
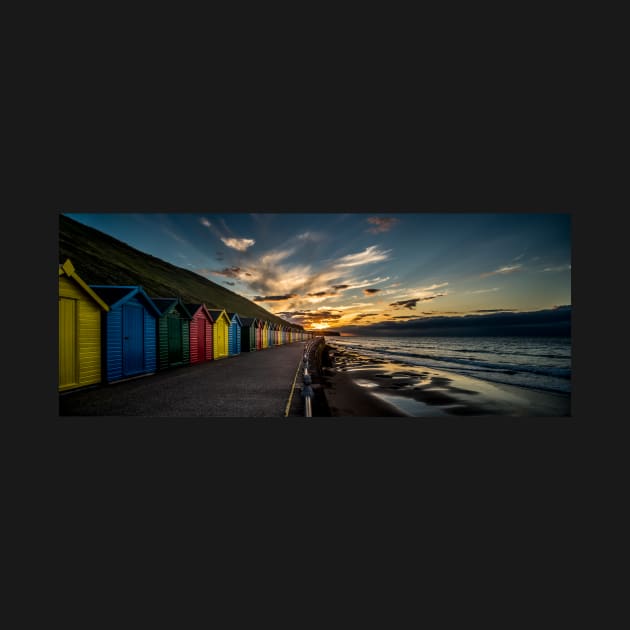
(542, 363)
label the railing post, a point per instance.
(307, 390)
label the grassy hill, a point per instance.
(102, 259)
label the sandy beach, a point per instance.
(357, 386)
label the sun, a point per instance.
(320, 326)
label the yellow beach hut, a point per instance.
(80, 311)
(265, 335)
(220, 333)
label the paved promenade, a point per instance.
(250, 385)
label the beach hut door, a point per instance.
(201, 339)
(67, 342)
(175, 354)
(133, 339)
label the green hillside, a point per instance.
(102, 259)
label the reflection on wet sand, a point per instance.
(427, 392)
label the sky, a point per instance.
(348, 270)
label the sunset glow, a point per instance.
(339, 270)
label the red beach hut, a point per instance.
(200, 333)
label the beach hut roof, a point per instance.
(216, 314)
(234, 316)
(194, 308)
(166, 304)
(68, 269)
(249, 321)
(115, 295)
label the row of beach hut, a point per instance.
(109, 333)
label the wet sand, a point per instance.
(360, 386)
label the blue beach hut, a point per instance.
(234, 334)
(129, 331)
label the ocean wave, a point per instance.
(558, 372)
(553, 375)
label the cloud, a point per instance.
(339, 287)
(275, 257)
(240, 244)
(494, 310)
(483, 290)
(559, 268)
(174, 235)
(309, 318)
(367, 283)
(434, 286)
(381, 224)
(229, 272)
(406, 303)
(274, 298)
(310, 236)
(419, 292)
(502, 270)
(205, 222)
(370, 291)
(322, 294)
(412, 303)
(368, 255)
(230, 283)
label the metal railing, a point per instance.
(307, 389)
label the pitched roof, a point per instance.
(193, 308)
(166, 304)
(233, 315)
(68, 269)
(216, 314)
(115, 295)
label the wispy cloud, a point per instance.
(274, 257)
(494, 310)
(502, 270)
(229, 272)
(558, 268)
(310, 236)
(483, 291)
(369, 292)
(321, 294)
(368, 255)
(310, 318)
(405, 303)
(412, 303)
(205, 222)
(381, 224)
(365, 283)
(434, 286)
(420, 292)
(174, 235)
(240, 244)
(274, 298)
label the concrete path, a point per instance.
(250, 385)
